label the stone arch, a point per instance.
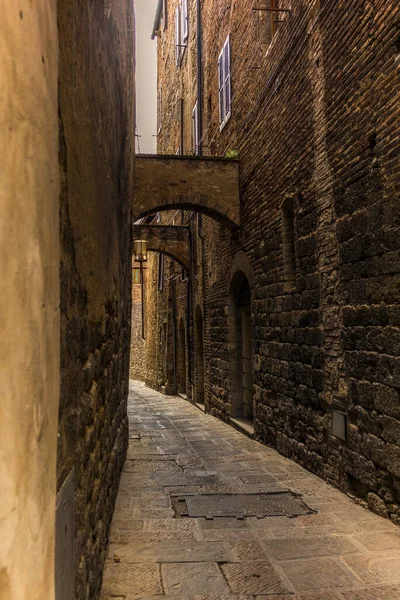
(206, 185)
(240, 337)
(199, 356)
(171, 240)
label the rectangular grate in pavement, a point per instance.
(282, 504)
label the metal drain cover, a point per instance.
(283, 504)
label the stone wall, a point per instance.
(29, 299)
(96, 107)
(314, 124)
(137, 356)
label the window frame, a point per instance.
(225, 83)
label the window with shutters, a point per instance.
(224, 74)
(184, 26)
(164, 15)
(178, 35)
(195, 120)
(181, 30)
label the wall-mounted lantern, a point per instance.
(140, 249)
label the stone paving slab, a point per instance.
(193, 578)
(342, 552)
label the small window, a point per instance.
(288, 244)
(195, 119)
(136, 276)
(224, 73)
(160, 272)
(181, 30)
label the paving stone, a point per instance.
(120, 578)
(291, 548)
(245, 551)
(380, 541)
(377, 593)
(254, 578)
(173, 552)
(353, 554)
(374, 569)
(317, 573)
(214, 535)
(193, 578)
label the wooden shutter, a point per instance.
(224, 74)
(177, 35)
(227, 74)
(184, 30)
(221, 87)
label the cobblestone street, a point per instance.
(340, 551)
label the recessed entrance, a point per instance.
(181, 358)
(240, 351)
(199, 357)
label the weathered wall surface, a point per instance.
(137, 356)
(314, 123)
(29, 301)
(96, 106)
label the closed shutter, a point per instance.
(177, 35)
(184, 30)
(227, 73)
(221, 87)
(224, 74)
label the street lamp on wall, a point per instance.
(140, 251)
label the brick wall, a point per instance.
(314, 122)
(96, 153)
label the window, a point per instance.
(164, 15)
(195, 119)
(159, 110)
(178, 35)
(160, 272)
(288, 245)
(181, 30)
(135, 276)
(224, 73)
(184, 29)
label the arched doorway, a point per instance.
(240, 347)
(199, 357)
(181, 358)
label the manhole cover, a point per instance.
(283, 504)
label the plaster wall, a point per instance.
(29, 300)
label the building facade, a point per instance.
(290, 323)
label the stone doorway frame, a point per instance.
(199, 355)
(240, 272)
(181, 357)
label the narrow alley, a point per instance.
(176, 452)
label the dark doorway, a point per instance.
(240, 348)
(199, 357)
(181, 358)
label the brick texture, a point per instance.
(314, 120)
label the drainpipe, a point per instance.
(199, 77)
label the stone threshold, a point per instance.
(244, 425)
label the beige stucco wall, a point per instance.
(29, 299)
